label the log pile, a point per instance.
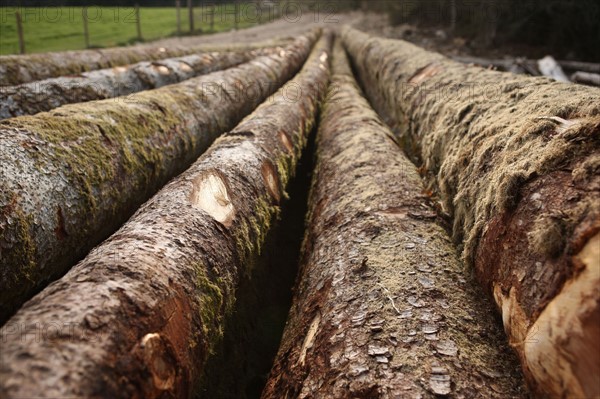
(140, 314)
(515, 162)
(580, 72)
(19, 69)
(72, 176)
(31, 98)
(382, 308)
(440, 191)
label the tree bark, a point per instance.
(515, 161)
(19, 69)
(72, 176)
(31, 98)
(509, 64)
(592, 79)
(382, 307)
(140, 314)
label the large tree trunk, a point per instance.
(19, 69)
(31, 98)
(515, 161)
(70, 177)
(382, 307)
(139, 316)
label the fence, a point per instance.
(202, 17)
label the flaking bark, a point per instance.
(31, 98)
(72, 176)
(381, 308)
(18, 69)
(140, 314)
(515, 161)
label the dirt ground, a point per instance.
(430, 38)
(279, 29)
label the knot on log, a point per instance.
(210, 194)
(285, 140)
(159, 361)
(271, 179)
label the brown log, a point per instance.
(515, 161)
(18, 69)
(592, 67)
(508, 64)
(382, 308)
(44, 95)
(140, 314)
(592, 79)
(72, 176)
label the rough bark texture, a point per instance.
(139, 316)
(18, 69)
(70, 177)
(515, 162)
(382, 308)
(31, 98)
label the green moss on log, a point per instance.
(98, 161)
(25, 253)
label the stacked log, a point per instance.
(18, 69)
(587, 78)
(31, 98)
(71, 177)
(515, 161)
(382, 308)
(140, 314)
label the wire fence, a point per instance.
(34, 29)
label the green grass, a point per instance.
(61, 28)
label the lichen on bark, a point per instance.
(511, 160)
(157, 291)
(39, 96)
(77, 172)
(382, 306)
(18, 69)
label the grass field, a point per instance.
(61, 28)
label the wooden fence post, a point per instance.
(191, 14)
(178, 7)
(20, 32)
(86, 32)
(236, 5)
(138, 22)
(452, 16)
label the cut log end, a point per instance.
(210, 194)
(564, 339)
